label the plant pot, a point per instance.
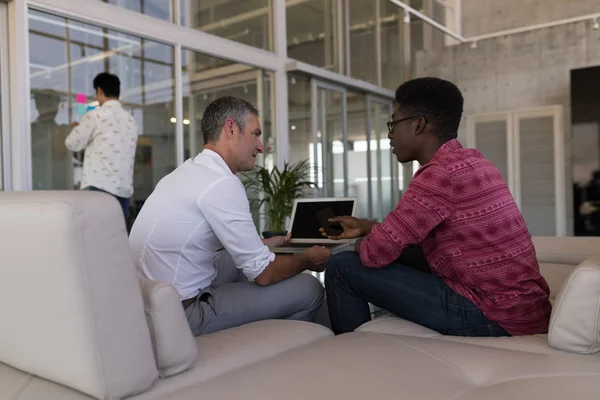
(268, 234)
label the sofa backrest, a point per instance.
(70, 305)
(558, 257)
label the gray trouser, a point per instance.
(232, 301)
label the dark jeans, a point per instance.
(123, 201)
(409, 293)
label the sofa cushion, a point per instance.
(397, 326)
(172, 340)
(393, 325)
(565, 250)
(70, 305)
(575, 322)
(18, 385)
(558, 257)
(225, 351)
(363, 365)
(556, 275)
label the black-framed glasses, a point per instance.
(392, 124)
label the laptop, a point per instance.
(305, 223)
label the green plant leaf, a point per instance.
(277, 190)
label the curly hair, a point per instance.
(438, 100)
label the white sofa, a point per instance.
(75, 325)
(392, 358)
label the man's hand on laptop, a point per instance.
(278, 241)
(317, 257)
(353, 227)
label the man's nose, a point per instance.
(260, 147)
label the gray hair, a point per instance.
(219, 110)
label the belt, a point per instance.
(188, 302)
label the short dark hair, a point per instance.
(109, 83)
(437, 100)
(219, 110)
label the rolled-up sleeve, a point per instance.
(226, 208)
(428, 202)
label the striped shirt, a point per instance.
(460, 210)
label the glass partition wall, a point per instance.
(343, 133)
(66, 55)
(386, 174)
(331, 111)
(329, 121)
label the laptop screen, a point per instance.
(306, 224)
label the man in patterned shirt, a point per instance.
(108, 134)
(483, 277)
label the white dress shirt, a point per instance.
(109, 136)
(196, 210)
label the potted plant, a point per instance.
(277, 190)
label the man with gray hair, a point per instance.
(196, 232)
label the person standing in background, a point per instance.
(108, 134)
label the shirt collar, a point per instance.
(449, 146)
(213, 158)
(110, 103)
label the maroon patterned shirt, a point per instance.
(459, 208)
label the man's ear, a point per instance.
(229, 127)
(419, 125)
